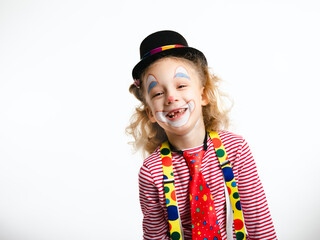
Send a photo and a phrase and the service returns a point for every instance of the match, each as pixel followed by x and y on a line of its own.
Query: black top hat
pixel 160 44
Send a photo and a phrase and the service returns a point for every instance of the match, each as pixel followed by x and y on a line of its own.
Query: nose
pixel 170 99
pixel 172 96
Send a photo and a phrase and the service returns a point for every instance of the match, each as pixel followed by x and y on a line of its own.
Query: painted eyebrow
pixel 151 82
pixel 181 72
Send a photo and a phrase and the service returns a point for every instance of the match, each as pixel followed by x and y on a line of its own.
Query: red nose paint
pixel 170 99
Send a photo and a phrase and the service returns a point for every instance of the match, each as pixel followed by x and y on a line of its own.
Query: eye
pixel 182 86
pixel 157 94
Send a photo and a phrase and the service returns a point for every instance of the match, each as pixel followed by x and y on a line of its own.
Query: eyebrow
pixel 151 86
pixel 151 82
pixel 181 75
pixel 181 72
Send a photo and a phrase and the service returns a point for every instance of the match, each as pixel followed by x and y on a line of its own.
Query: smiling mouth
pixel 177 117
pixel 177 113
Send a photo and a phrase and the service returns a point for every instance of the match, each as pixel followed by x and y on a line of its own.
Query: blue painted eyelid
pixel 182 75
pixel 151 86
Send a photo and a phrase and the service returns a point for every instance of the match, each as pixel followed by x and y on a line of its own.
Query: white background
pixel 66 171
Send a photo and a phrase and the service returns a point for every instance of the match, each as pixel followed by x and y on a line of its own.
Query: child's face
pixel 174 95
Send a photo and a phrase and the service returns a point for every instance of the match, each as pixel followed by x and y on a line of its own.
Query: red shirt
pixel 253 200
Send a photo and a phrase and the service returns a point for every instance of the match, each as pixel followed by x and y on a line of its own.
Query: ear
pixel 204 97
pixel 150 115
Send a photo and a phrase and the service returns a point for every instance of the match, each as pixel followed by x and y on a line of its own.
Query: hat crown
pixel 161 39
pixel 164 43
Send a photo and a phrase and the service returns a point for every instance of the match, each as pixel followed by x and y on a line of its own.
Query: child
pixel 192 182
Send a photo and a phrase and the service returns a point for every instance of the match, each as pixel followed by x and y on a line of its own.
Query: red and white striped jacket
pixel 253 201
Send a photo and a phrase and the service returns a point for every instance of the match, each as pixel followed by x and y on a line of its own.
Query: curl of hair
pixel 149 136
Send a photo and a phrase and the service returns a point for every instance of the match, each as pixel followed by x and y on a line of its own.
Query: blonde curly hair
pixel 149 136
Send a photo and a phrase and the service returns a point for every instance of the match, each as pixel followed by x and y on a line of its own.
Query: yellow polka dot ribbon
pixel 231 185
pixel 170 193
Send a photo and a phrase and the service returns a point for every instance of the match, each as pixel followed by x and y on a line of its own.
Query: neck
pixel 190 139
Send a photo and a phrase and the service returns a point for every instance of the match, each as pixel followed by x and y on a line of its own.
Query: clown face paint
pixel 181 72
pixel 185 111
pixel 175 97
pixel 151 82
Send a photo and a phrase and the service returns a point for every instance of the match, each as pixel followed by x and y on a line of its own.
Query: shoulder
pixel 234 144
pixel 151 169
pixel 153 158
pixel 229 138
pixel 152 163
pixel 237 149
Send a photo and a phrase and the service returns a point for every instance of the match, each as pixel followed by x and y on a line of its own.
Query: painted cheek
pixel 161 117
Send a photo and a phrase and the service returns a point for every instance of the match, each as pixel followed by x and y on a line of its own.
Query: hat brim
pixel 176 52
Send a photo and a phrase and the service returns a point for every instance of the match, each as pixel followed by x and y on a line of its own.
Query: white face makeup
pixel 151 82
pixel 181 72
pixel 185 110
pixel 174 95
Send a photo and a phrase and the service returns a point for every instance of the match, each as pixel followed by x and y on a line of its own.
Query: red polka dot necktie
pixel 204 221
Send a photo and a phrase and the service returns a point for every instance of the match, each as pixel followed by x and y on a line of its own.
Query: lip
pixel 180 119
pixel 182 110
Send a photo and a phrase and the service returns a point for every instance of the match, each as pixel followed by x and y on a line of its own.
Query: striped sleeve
pixel 254 204
pixel 154 223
